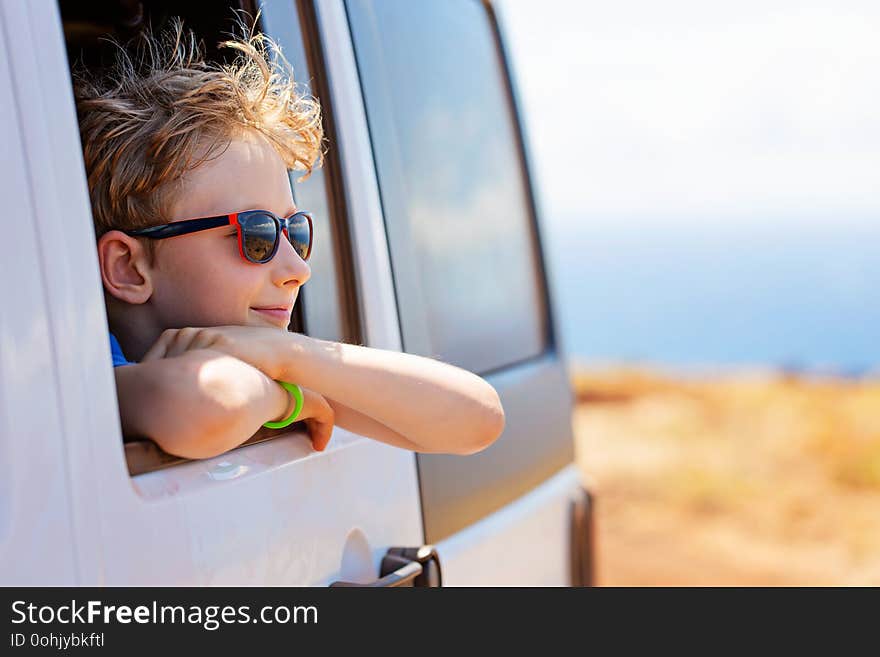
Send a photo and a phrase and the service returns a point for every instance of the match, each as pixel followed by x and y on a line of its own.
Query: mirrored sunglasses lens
pixel 299 232
pixel 259 232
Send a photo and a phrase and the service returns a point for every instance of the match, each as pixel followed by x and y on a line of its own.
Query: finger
pixel 160 346
pixel 182 341
pixel 320 433
pixel 323 439
pixel 205 339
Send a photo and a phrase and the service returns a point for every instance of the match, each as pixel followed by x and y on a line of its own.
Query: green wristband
pixel 297 394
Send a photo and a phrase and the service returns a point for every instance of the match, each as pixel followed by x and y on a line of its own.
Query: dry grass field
pixel 747 479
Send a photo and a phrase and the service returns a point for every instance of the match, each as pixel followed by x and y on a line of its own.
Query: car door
pixel 269 513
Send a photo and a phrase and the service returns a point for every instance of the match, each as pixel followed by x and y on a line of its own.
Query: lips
pixel 275 313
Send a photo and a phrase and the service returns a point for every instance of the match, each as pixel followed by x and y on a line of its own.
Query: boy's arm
pixel 426 405
pixel 357 422
pixel 434 406
pixel 196 405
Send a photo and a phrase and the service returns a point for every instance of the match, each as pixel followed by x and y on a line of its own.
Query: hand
pixel 263 348
pixel 259 347
pixel 319 418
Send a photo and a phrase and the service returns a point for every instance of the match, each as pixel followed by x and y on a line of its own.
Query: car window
pixel 328 303
pixel 326 307
pixel 456 205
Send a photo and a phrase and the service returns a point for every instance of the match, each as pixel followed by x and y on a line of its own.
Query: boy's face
pixel 201 279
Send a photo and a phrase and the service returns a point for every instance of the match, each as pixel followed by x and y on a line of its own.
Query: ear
pixel 125 267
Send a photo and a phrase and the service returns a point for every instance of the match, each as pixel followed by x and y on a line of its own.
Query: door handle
pixel 406 567
pixel 583 538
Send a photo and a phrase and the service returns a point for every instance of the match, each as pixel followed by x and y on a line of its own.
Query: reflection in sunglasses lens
pixel 299 232
pixel 258 237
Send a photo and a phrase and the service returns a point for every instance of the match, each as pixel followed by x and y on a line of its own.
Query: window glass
pixel 456 207
pixel 324 307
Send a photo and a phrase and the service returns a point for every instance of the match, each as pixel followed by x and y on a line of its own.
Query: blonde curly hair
pixel 161 110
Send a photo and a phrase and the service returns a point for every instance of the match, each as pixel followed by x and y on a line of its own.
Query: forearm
pixel 357 422
pixel 196 405
pixel 433 405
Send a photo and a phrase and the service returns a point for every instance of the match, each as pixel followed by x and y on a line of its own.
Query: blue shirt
pixel 116 351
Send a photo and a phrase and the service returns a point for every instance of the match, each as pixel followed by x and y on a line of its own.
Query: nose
pixel 288 269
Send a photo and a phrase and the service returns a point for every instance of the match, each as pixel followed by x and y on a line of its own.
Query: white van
pixel 427 241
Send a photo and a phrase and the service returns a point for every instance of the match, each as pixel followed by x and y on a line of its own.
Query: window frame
pixel 350 305
pixel 143 455
pixel 305 54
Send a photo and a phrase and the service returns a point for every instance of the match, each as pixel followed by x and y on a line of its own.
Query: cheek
pixel 209 287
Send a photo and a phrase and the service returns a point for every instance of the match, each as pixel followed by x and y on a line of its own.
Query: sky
pixel 708 175
pixel 693 111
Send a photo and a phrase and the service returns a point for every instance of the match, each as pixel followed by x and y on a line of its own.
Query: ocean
pixel 783 293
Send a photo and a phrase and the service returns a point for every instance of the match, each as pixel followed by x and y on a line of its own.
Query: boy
pixel 202 307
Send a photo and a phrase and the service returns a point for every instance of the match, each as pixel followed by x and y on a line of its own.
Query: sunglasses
pixel 259 232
